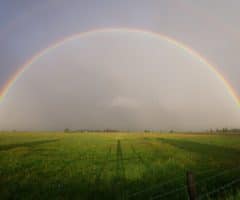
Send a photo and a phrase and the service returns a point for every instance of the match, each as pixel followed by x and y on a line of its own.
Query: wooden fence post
pixel 192 192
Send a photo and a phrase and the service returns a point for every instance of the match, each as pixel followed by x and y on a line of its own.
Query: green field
pixel 118 165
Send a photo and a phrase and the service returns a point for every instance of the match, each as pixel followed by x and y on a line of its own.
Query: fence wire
pixel 157 186
pixel 184 186
pixel 223 187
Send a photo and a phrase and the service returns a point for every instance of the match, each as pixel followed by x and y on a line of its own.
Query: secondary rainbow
pixel 13 79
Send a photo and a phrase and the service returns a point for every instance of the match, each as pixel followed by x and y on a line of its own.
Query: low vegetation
pixel 118 165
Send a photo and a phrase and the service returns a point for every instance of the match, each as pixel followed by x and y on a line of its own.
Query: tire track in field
pixel 120 174
pixel 102 167
pixel 95 192
pixel 120 171
pixel 142 161
pixel 148 168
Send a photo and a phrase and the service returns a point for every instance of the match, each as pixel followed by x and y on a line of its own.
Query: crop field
pixel 118 165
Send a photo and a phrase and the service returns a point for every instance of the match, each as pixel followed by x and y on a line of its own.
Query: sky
pixel 111 96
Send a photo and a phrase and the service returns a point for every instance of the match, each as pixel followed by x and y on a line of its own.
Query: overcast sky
pixel 102 81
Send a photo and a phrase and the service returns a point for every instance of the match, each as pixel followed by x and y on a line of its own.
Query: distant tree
pixel 66 130
pixel 225 130
pixel 235 130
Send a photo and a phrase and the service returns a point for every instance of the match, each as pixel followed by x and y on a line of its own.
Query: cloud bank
pixel 119 81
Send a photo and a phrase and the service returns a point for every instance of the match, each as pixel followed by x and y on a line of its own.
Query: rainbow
pixel 13 79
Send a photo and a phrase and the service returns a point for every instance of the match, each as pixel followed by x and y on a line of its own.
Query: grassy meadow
pixel 118 165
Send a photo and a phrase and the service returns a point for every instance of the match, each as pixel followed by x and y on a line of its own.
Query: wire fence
pixel 160 196
pixel 218 174
pixel 223 187
pixel 160 190
pixel 184 186
pixel 158 186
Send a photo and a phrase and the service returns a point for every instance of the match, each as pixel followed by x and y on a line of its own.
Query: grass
pixel 116 165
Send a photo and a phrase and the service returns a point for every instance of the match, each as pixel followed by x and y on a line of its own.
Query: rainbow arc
pixel 13 79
